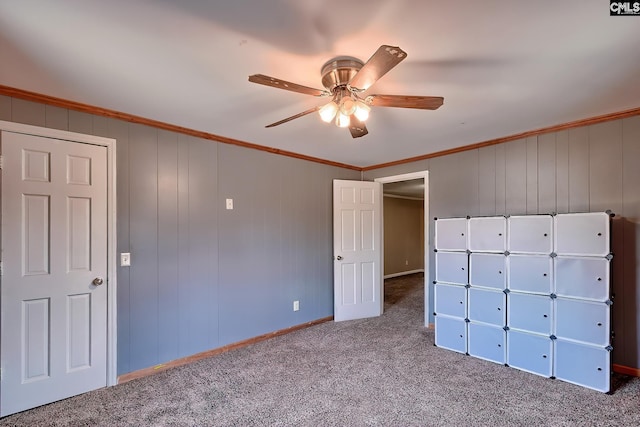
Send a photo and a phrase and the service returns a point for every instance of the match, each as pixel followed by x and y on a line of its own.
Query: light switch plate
pixel 229 204
pixel 125 259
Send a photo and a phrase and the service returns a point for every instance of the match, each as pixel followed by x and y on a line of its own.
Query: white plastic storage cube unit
pixel 487 342
pixel 488 234
pixel 530 273
pixel 488 270
pixel 582 364
pixel 583 234
pixel 583 277
pixel 451 333
pixel 585 321
pixel 451 234
pixel 452 267
pixel 487 306
pixel 530 313
pixel 528 352
pixel 531 234
pixel 450 300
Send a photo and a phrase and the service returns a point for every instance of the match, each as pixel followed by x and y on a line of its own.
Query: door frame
pixel 110 144
pixel 407 177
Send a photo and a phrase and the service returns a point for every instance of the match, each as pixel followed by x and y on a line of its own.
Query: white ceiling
pixel 503 66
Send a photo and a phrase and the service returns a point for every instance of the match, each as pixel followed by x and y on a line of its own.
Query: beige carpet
pixel 375 372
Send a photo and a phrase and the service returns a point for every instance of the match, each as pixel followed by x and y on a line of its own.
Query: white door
pixel 53 335
pixel 357 229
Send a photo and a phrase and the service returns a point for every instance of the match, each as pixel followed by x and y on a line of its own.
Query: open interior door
pixel 357 249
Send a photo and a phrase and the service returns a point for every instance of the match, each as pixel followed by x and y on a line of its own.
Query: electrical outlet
pixel 229 204
pixel 406 262
pixel 296 305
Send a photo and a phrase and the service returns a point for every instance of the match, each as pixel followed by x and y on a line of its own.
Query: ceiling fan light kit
pixel 345 78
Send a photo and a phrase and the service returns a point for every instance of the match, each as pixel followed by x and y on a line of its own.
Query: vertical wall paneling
pixel 605 192
pixel 5 108
pixel 281 238
pixel 627 325
pixel 562 171
pixel 454 186
pixel 202 220
pixel 532 175
pixel 27 112
pixel 184 292
pixel 547 173
pixel 80 122
pixel 168 281
pixel 501 180
pixel 487 180
pixel 605 173
pixel 579 169
pixel 143 234
pixel 56 117
pixel 516 177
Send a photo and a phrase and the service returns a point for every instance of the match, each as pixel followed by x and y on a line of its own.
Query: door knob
pixel 339 258
pixel 98 281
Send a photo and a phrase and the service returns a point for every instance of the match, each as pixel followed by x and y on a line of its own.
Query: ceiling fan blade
pixel 406 101
pixel 357 127
pixel 282 84
pixel 383 60
pixel 288 119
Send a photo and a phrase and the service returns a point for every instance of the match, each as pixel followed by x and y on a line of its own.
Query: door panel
pixel 452 267
pixel 487 342
pixel 530 273
pixel 487 306
pixel 451 333
pixel 451 234
pixel 54 243
pixel 488 270
pixel 357 250
pixel 530 234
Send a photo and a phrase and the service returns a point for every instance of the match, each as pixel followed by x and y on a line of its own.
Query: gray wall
pixel 591 168
pixel 203 276
pixel 403 235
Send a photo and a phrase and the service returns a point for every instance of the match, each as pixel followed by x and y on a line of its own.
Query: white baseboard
pixel 403 273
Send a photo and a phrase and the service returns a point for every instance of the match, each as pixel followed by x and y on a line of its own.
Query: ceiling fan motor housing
pixel 339 71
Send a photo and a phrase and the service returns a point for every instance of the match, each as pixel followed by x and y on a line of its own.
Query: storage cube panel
pixel 452 267
pixel 450 300
pixel 451 333
pixel 488 270
pixel 487 342
pixel 585 234
pixel 451 234
pixel 582 364
pixel 487 306
pixel 530 234
pixel 585 321
pixel 530 352
pixel 581 277
pixel 530 273
pixel 532 313
pixel 488 234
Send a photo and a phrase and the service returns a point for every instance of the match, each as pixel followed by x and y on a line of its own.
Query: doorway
pixel 409 185
pixel 58 281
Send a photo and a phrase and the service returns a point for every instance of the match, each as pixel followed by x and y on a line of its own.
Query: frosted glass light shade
pixel 347 106
pixel 328 111
pixel 342 120
pixel 362 111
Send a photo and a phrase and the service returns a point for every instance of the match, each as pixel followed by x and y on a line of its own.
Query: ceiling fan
pixel 345 78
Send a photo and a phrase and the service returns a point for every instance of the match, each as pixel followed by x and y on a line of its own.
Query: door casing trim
pixel 110 144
